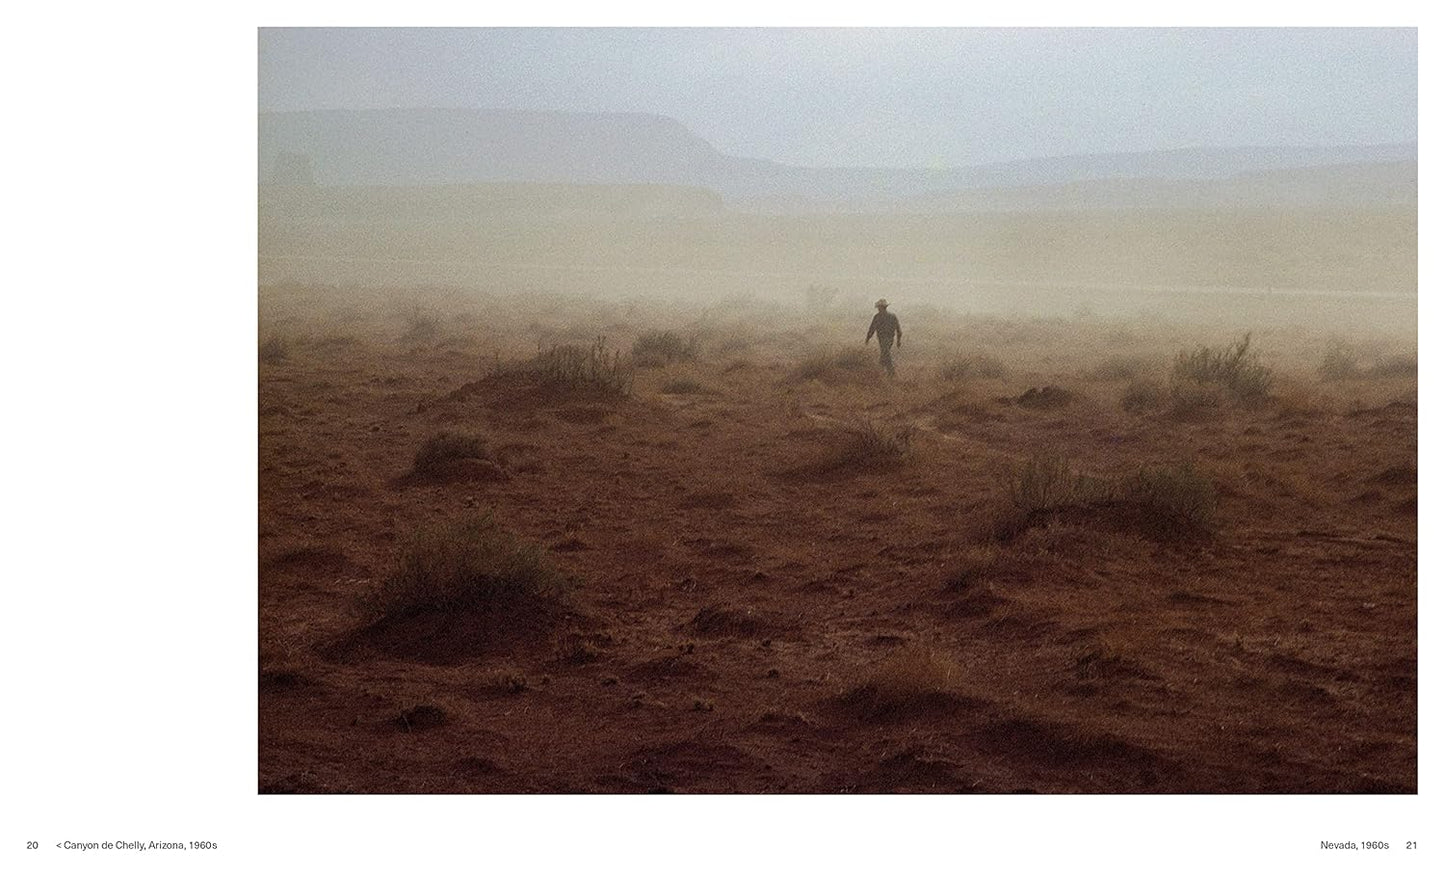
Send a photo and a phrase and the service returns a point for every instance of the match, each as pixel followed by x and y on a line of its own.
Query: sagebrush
pixel 1235 367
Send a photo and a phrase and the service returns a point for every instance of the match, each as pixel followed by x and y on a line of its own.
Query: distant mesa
pixel 467 147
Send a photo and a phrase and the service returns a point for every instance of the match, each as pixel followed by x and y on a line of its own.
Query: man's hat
pixel 881 302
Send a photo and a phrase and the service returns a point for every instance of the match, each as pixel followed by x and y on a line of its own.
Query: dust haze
pixel 577 473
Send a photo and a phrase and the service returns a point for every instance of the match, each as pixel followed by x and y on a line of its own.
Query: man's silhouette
pixel 886 326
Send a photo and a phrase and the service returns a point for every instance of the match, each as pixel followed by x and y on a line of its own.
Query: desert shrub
pixel 1143 395
pixel 873 445
pixel 1042 481
pixel 1047 481
pixel 1169 500
pixel 1395 366
pixel 446 447
pixel 1235 368
pixel 1161 502
pixel 969 367
pixel 833 366
pixel 859 448
pixel 1117 368
pixel 274 349
pixel 1341 362
pixel 470 563
pixel 420 326
pixel 683 386
pixel 657 348
pixel 573 367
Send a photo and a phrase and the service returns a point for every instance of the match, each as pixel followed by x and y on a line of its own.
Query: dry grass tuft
pixel 574 368
pixel 452 457
pixel 469 564
pixel 1047 481
pixel 871 445
pixel 1163 503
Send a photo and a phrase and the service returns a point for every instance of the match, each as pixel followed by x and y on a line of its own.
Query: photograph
pixel 592 458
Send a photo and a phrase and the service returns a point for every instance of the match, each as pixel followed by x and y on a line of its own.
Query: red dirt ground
pixel 746 618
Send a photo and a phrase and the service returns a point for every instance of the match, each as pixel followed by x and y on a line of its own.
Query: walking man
pixel 886 326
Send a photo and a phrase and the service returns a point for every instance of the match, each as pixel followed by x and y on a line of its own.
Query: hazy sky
pixel 883 97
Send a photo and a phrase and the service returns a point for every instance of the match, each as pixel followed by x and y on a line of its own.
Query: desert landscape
pixel 577 473
pixel 548 543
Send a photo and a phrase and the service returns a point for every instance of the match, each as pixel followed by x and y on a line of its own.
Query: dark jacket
pixel 885 325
